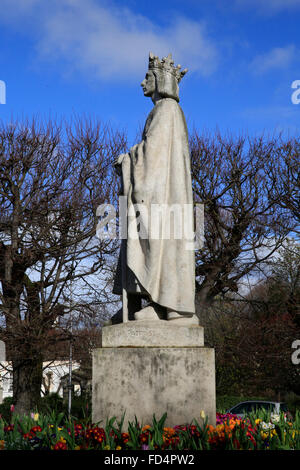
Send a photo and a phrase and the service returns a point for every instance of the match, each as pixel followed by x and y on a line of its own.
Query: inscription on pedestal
pixel 151 334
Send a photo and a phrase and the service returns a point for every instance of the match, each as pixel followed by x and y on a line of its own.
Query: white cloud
pixel 276 119
pixel 269 6
pixel 273 113
pixel 277 58
pixel 109 42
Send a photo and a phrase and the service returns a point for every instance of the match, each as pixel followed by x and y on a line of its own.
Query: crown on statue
pixel 166 64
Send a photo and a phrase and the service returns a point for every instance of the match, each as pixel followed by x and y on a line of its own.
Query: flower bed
pixel 256 432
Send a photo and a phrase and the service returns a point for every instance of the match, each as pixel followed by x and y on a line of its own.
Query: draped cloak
pixel 157 171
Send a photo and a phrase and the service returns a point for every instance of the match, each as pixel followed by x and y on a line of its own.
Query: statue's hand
pixel 134 148
pixel 119 159
pixel 118 162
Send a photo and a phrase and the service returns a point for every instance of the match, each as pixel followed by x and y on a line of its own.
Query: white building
pixel 52 374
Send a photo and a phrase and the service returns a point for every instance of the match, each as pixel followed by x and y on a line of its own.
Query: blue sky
pixel 60 57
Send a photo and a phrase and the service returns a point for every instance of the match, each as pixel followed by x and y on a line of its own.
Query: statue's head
pixel 162 77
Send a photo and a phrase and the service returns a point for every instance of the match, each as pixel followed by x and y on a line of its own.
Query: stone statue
pixel 156 173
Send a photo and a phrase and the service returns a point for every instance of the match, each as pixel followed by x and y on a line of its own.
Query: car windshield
pixel 244 408
pixel 264 406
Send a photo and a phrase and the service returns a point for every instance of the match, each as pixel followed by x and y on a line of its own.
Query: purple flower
pixel 145 447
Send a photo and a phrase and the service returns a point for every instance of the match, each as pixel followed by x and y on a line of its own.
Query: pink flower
pixel 12 408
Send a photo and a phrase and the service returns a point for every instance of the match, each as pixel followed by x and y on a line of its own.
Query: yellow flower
pixel 202 414
pixel 77 448
pixel 257 421
pixel 35 416
pixel 62 439
pixel 118 448
pixel 59 429
pixel 107 448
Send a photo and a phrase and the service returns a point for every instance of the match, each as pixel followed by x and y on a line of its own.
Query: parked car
pixel 246 407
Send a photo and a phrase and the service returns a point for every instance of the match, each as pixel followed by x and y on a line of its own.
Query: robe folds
pixel 156 174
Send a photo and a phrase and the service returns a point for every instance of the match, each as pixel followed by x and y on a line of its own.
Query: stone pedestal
pixel 145 369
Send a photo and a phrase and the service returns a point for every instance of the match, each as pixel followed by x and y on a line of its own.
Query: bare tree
pixel 244 226
pixel 53 177
pixel 253 335
pixel 284 174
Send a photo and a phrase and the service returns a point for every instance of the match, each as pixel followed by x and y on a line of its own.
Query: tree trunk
pixel 27 382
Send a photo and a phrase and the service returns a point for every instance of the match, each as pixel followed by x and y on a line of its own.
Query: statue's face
pixel 148 84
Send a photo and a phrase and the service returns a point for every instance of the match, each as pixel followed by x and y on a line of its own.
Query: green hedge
pixel 81 406
pixel 5 408
pixel 293 402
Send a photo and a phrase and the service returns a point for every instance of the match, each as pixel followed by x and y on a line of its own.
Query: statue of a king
pixel 158 266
